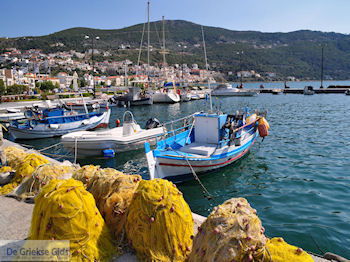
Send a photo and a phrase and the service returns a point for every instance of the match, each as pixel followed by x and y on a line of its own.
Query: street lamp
pixel 92 60
pixel 322 56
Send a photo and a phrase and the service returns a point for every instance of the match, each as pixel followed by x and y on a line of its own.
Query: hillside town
pixel 70 71
pixel 75 71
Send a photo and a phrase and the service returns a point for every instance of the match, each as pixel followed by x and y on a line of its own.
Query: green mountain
pixel 288 54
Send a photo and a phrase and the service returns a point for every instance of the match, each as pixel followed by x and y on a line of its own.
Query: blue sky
pixel 40 17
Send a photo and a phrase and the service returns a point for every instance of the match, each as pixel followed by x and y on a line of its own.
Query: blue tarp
pixel 170 84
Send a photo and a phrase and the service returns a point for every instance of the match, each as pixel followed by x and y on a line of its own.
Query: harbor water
pixel 298 178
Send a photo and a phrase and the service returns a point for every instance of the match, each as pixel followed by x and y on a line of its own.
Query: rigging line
pixel 140 50
pixel 160 42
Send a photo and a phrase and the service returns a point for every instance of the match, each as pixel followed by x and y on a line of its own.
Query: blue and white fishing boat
pixel 56 122
pixel 214 140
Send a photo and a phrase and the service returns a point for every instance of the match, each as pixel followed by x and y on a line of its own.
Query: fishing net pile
pixel 42 176
pixel 280 251
pixel 14 156
pixel 159 224
pixel 113 192
pixel 24 168
pixel 65 210
pixel 233 232
pixel 86 173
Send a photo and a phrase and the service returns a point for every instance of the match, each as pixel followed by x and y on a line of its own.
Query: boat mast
pixel 125 74
pixel 148 42
pixel 207 68
pixel 164 61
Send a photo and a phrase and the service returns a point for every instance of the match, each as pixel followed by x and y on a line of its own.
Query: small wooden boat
pixel 56 122
pixel 128 137
pixel 213 141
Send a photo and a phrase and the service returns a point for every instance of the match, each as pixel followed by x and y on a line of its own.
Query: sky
pixel 41 17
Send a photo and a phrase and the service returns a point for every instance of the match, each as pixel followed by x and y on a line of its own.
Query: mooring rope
pixel 46 148
pixel 209 196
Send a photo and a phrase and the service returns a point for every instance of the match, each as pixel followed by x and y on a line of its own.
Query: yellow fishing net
pixel 64 210
pixel 5 169
pixel 43 175
pixel 280 251
pixel 24 169
pixel 86 173
pixel 14 156
pixel 159 223
pixel 232 232
pixel 113 192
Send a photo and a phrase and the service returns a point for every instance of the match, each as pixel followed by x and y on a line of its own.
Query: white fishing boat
pixel 309 90
pixel 166 96
pixel 227 90
pixel 185 97
pixel 56 123
pixel 128 137
pixel 134 97
pixel 8 115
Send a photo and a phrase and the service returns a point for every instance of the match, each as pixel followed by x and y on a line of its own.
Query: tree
pixel 82 82
pixel 2 87
pixel 47 86
pixel 16 89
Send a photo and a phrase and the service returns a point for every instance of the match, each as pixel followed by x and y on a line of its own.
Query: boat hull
pixel 93 143
pixel 178 170
pixel 168 98
pixel 45 131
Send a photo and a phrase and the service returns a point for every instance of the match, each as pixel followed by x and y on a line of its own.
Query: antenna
pixel 207 68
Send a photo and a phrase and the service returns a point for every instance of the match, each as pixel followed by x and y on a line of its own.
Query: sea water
pixel 298 178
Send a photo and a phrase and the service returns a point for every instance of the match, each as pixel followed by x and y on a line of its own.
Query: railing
pixel 174 128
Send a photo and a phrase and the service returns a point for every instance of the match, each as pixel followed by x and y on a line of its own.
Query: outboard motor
pixel 152 123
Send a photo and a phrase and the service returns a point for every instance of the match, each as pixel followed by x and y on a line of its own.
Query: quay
pixel 300 90
pixel 15 220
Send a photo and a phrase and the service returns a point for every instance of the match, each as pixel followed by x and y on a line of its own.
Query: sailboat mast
pixel 207 68
pixel 164 62
pixel 148 43
pixel 148 34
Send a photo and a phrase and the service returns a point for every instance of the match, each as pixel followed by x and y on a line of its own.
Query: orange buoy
pixel 117 123
pixel 263 127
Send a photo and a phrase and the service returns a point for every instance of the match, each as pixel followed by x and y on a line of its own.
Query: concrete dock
pixel 15 220
pixel 300 90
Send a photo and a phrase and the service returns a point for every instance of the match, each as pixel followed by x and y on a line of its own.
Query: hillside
pixel 296 53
